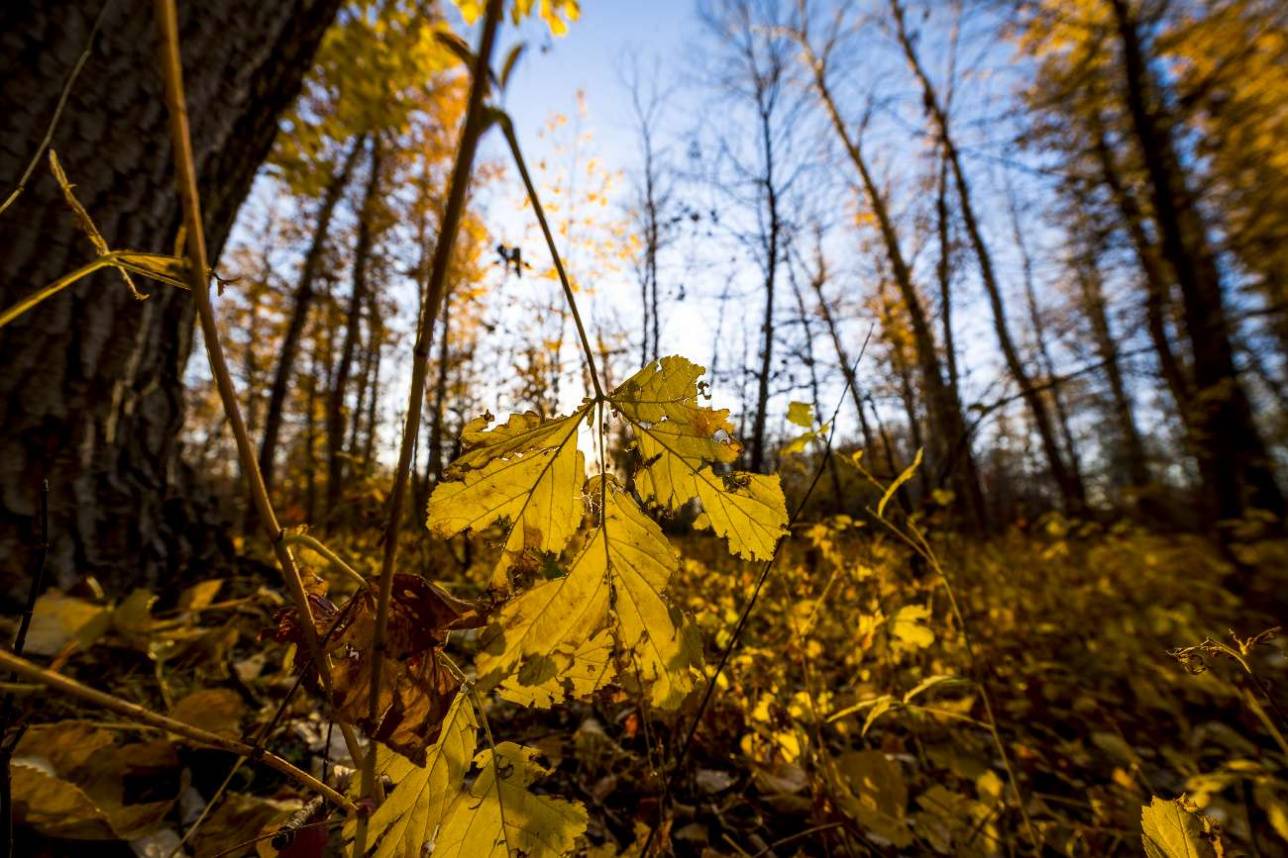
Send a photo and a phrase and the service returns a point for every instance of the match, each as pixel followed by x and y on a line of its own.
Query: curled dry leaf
pixel 416 689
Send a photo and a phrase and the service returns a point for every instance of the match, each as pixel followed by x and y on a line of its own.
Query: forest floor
pixel 862 713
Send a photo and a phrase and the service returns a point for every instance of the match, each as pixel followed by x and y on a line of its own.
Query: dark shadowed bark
pixel 91 395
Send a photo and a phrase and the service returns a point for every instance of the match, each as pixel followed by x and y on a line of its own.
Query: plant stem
pixel 471 130
pixel 195 242
pixel 334 559
pixel 507 128
pixel 135 712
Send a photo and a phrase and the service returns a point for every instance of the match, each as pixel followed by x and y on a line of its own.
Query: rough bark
pixel 91 396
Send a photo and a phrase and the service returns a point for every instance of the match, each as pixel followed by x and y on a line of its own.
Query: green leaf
pixel 1168 830
pixel 499 816
pixel 898 483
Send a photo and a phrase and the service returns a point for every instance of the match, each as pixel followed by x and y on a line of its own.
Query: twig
pixel 58 109
pixel 186 177
pixel 134 712
pixel 471 130
pixel 333 558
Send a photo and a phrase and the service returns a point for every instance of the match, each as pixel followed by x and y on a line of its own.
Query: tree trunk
pixel 357 298
pixel 92 388
pixel 1236 469
pixel 945 414
pixel 434 469
pixel 1093 306
pixel 1070 491
pixel 772 239
pixel 304 295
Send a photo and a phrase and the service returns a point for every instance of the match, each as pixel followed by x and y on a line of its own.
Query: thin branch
pixel 471 130
pixel 507 128
pixel 195 241
pixel 142 714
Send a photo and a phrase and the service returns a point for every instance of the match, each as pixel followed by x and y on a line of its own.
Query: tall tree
pixel 1070 488
pixel 752 71
pixel 93 381
pixel 1233 458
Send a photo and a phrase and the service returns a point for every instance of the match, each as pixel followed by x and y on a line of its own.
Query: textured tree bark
pixel 91 391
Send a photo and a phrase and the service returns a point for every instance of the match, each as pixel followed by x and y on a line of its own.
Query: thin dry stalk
pixel 471 130
pixel 186 177
pixel 143 715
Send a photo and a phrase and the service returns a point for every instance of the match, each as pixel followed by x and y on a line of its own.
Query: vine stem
pixel 507 128
pixel 471 130
pixel 198 268
pixel 143 715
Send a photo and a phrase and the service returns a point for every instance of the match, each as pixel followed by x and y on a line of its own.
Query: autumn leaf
pixel 1169 830
pixel 498 815
pixel 527 472
pixel 406 822
pixel 681 443
pixel 618 579
pixel 872 792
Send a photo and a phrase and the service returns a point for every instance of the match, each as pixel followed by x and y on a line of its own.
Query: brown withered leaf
pixel 416 689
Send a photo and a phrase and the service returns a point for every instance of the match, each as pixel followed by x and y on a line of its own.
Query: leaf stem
pixel 507 128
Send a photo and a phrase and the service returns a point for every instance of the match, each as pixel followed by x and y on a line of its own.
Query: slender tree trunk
pixel 373 397
pixel 92 392
pixel 304 295
pixel 357 298
pixel 947 423
pixel 434 468
pixel 1070 491
pixel 1236 468
pixel 838 504
pixel 772 246
pixel 1158 286
pixel 959 449
pixel 1094 307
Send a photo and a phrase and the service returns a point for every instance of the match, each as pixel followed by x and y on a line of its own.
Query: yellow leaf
pixel 60 619
pixel 405 824
pixel 899 481
pixel 526 472
pixel 680 442
pixel 871 790
pixel 801 414
pixel 1168 830
pixel 908 627
pixel 499 816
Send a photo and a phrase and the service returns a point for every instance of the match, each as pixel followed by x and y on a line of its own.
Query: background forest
pixel 735 427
